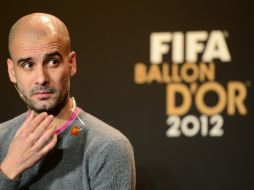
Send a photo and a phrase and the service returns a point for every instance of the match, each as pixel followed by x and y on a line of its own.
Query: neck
pixel 64 114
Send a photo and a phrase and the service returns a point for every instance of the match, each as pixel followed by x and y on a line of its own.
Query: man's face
pixel 41 69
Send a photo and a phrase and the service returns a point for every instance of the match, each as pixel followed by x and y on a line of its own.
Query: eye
pixel 53 63
pixel 27 65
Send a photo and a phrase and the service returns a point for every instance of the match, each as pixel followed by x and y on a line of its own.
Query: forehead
pixel 36 47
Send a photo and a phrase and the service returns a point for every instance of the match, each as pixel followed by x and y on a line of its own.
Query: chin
pixel 52 109
pixel 42 107
pixel 51 106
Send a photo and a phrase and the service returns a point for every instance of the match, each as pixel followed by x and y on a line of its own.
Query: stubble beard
pixel 52 106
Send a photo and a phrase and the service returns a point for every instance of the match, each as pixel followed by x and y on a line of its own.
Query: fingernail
pixel 31 114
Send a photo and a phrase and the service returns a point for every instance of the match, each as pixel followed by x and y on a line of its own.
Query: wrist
pixel 9 173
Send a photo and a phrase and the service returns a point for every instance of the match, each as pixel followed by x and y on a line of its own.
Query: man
pixel 55 145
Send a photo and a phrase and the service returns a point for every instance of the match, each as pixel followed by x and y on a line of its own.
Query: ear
pixel 72 63
pixel 11 72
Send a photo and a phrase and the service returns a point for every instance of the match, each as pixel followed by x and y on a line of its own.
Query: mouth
pixel 43 95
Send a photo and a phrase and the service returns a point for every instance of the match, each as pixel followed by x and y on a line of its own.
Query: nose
pixel 41 76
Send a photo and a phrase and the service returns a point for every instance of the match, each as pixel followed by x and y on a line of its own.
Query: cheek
pixel 61 79
pixel 24 82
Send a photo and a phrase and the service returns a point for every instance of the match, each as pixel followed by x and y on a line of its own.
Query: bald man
pixel 55 144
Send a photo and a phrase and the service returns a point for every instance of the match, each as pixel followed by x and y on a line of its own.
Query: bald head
pixel 34 27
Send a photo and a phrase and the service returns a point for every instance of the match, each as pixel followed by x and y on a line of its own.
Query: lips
pixel 43 94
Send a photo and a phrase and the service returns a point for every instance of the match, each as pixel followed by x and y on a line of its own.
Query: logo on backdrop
pixel 186 63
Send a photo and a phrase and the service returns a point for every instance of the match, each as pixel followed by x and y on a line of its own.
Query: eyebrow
pixel 26 59
pixel 56 53
pixel 48 55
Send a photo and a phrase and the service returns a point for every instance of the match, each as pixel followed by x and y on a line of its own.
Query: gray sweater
pixel 99 158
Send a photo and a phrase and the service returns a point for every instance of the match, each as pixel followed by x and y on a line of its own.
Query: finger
pixel 25 124
pixel 49 146
pixel 34 123
pixel 40 130
pixel 29 118
pixel 44 139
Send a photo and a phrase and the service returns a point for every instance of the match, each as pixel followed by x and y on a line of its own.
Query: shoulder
pixel 102 136
pixel 106 147
pixel 12 124
pixel 100 129
pixel 8 130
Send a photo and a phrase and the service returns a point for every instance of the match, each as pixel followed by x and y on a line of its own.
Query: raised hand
pixel 32 141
